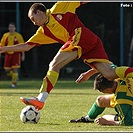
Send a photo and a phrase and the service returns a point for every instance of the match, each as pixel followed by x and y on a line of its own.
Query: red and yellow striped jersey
pixel 62 22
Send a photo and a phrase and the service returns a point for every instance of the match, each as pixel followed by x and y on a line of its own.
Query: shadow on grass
pixel 19 87
pixel 34 84
pixel 33 93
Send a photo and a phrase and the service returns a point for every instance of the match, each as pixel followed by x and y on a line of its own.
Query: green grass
pixel 67 100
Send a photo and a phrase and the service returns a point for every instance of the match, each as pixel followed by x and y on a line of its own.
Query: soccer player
pixel 61 24
pixel 120 97
pixel 12 59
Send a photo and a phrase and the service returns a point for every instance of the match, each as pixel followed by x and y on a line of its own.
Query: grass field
pixel 67 100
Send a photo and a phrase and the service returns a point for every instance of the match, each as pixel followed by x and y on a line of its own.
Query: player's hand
pixel 86 75
pixel 83 77
pixel 101 121
pixel 107 120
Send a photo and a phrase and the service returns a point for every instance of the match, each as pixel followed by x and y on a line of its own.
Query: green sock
pixel 94 111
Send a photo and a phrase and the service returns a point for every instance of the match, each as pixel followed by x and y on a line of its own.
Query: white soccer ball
pixel 29 115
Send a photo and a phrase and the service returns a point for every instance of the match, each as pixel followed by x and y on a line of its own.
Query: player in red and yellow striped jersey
pixel 61 24
pixel 12 59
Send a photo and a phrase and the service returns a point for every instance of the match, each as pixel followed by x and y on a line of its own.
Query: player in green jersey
pixel 119 97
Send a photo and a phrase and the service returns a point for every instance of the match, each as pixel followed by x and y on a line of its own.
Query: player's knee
pixel 100 101
pixel 54 66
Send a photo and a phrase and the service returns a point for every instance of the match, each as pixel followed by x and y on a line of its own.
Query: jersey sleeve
pixel 20 38
pixel 3 39
pixel 124 114
pixel 40 38
pixel 63 7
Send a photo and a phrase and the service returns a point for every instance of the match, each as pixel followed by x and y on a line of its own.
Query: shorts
pixel 12 61
pixel 88 45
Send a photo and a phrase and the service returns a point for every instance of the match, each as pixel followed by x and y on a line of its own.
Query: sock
pixel 42 96
pixel 14 78
pixel 89 119
pixel 94 112
pixel 124 72
pixel 48 83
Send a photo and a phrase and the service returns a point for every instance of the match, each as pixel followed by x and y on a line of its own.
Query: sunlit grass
pixel 67 100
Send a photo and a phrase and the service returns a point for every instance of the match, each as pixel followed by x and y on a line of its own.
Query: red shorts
pixel 12 61
pixel 89 46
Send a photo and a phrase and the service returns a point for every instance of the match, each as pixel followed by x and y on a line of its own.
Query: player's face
pixel 39 18
pixel 11 28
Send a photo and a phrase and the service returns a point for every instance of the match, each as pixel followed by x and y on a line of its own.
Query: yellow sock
pixel 124 72
pixel 14 77
pixel 49 81
pixel 9 73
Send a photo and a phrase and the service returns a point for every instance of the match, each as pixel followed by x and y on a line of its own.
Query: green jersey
pixel 124 101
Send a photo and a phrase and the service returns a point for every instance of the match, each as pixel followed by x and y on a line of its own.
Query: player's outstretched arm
pixel 16 48
pixel 86 75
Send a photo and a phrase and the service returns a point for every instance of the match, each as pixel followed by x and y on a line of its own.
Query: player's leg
pixel 96 109
pixel 98 58
pixel 15 64
pixel 99 106
pixel 7 66
pixel 107 119
pixel 14 77
pixel 49 81
pixel 106 70
pixel 111 73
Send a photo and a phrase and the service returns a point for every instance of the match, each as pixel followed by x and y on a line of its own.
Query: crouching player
pixel 120 97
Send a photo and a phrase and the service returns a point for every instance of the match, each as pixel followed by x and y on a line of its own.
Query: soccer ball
pixel 29 115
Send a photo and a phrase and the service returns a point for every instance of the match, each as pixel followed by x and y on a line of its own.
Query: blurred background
pixel 112 22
